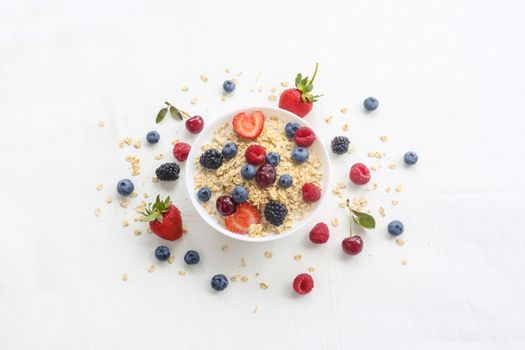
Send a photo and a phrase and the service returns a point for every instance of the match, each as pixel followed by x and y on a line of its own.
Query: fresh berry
pixel 273 158
pixel 410 158
pixel 395 228
pixel 204 194
pixel 255 154
pixel 152 137
pixel 290 129
pixel 191 257
pixel 195 124
pixel 265 175
pixel 311 193
pixel 219 282
pixel 181 151
pixel 240 221
pixel 275 213
pixel 285 181
pixel 371 104
pixel 303 284
pixel 352 245
pixel 229 150
pixel 249 126
pixel 299 100
pixel 228 86
pixel 359 174
pixel 304 137
pixel 164 219
pixel 225 205
pixel 211 159
pixel 340 144
pixel 239 194
pixel 125 187
pixel 319 234
pixel 162 253
pixel 300 154
pixel 248 171
pixel 168 172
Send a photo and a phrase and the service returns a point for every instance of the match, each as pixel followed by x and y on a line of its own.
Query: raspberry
pixel 359 174
pixel 255 154
pixel 319 233
pixel 211 159
pixel 168 172
pixel 311 193
pixel 304 137
pixel 181 150
pixel 340 144
pixel 303 284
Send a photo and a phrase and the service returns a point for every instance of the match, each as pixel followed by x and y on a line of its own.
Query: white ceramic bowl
pixel 206 135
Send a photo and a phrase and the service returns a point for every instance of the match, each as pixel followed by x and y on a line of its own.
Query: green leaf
pixel 364 220
pixel 298 79
pixel 161 115
pixel 175 113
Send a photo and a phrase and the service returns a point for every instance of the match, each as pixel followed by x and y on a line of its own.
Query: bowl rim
pixel 190 166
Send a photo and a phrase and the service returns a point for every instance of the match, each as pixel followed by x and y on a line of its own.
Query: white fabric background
pixel 450 79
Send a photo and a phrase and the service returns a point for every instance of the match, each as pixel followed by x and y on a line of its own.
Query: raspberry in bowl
pixel 264 151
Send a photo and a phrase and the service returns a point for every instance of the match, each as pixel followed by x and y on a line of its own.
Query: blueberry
pixel 219 282
pixel 162 253
pixel 204 194
pixel 191 257
pixel 290 129
pixel 371 104
pixel 273 158
pixel 229 150
pixel 395 228
pixel 410 158
pixel 228 86
pixel 300 154
pixel 152 136
pixel 285 181
pixel 125 187
pixel 239 194
pixel 248 171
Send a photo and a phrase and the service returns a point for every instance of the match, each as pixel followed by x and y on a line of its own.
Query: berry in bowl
pixel 257 174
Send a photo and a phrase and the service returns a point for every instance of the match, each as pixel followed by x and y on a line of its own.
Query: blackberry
pixel 275 213
pixel 211 159
pixel 340 144
pixel 168 172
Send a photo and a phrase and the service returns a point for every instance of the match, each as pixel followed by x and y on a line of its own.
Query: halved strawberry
pixel 250 125
pixel 240 221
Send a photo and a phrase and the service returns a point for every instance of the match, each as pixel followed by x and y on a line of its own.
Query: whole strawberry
pixel 299 100
pixel 164 219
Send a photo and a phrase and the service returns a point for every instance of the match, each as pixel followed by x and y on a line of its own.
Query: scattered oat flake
pixel 226 70
pixel 121 144
pixel 171 259
pixel 284 83
pixel 342 204
pixel 335 222
pixel 125 223
pixel 255 310
pixel 184 88
pixel 244 279
pixel 399 188
pixel 400 242
pixel 175 141
pixel 154 179
pixel 378 155
pixel 234 278
pixel 351 150
pixel 259 88
pixel 100 187
pixel 137 232
pixel 109 199
pixel 311 269
pixel 388 189
pixel 344 110
pixel 128 141
pixel 329 119
pixel 204 78
pixel 137 144
pixel 391 166
pixel 151 269
pixel 371 154
pixel 158 156
pixel 382 211
pixel 194 101
pixel 124 203
pixel 272 97
pixel 383 138
pixel 345 127
pixel 394 202
pixel 97 212
pixel 263 285
pixel 243 262
pixel 298 257
pixel 134 194
pixel 182 272
pixel 268 254
pixel 125 277
pixel 404 262
pixel 273 90
pixel 101 123
pixel 224 248
pixel 239 74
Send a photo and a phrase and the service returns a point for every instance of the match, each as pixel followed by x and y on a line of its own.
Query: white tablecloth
pixel 449 76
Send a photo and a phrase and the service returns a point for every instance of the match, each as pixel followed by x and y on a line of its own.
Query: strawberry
pixel 299 100
pixel 164 219
pixel 250 125
pixel 240 221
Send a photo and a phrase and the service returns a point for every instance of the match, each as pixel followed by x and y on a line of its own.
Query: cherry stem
pixel 180 110
pixel 351 219
pixel 315 72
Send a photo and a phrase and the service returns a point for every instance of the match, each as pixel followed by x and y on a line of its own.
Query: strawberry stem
pixel 315 72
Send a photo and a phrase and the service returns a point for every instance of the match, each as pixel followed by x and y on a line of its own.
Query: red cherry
pixel 225 205
pixel 265 175
pixel 352 245
pixel 195 124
